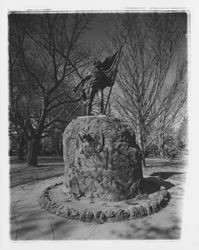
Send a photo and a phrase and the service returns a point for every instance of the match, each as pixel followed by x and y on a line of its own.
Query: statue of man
pixel 98 81
pixel 101 76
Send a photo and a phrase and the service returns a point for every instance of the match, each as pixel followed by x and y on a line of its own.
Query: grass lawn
pixel 48 167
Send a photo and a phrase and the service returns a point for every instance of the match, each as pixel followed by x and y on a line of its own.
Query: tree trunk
pixel 161 147
pixel 20 152
pixel 33 150
pixel 59 149
pixel 140 141
pixel 143 160
pixel 162 152
pixel 142 149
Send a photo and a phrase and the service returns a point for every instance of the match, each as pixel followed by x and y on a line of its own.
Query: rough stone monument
pixel 102 159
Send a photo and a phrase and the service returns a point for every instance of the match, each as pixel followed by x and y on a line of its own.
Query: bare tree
pixel 182 135
pixel 171 115
pixel 144 91
pixel 49 51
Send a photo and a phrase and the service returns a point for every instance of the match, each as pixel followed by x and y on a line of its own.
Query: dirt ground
pixel 29 222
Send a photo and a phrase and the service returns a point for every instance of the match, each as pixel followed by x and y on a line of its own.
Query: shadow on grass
pixel 30 180
pixel 35 223
pixel 166 164
pixel 165 175
pixel 41 160
pixel 144 230
pixel 50 165
pixel 152 184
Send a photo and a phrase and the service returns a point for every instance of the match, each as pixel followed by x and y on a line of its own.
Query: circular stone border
pixel 157 201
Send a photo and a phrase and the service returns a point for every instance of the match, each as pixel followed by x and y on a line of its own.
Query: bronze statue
pixel 101 76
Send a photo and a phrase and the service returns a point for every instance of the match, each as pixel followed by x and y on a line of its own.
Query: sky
pixel 102 24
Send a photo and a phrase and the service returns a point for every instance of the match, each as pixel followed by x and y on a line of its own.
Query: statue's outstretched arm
pixel 82 82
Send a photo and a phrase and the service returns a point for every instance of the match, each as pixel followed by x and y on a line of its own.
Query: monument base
pixel 102 159
pixel 55 200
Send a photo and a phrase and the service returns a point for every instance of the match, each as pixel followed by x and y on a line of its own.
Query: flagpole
pixel 116 73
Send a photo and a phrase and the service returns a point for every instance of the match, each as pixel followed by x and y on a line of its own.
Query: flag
pixel 109 66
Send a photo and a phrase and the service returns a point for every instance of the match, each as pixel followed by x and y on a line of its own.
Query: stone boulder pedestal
pixel 102 160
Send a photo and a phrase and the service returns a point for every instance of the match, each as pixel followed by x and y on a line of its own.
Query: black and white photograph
pixel 98 124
